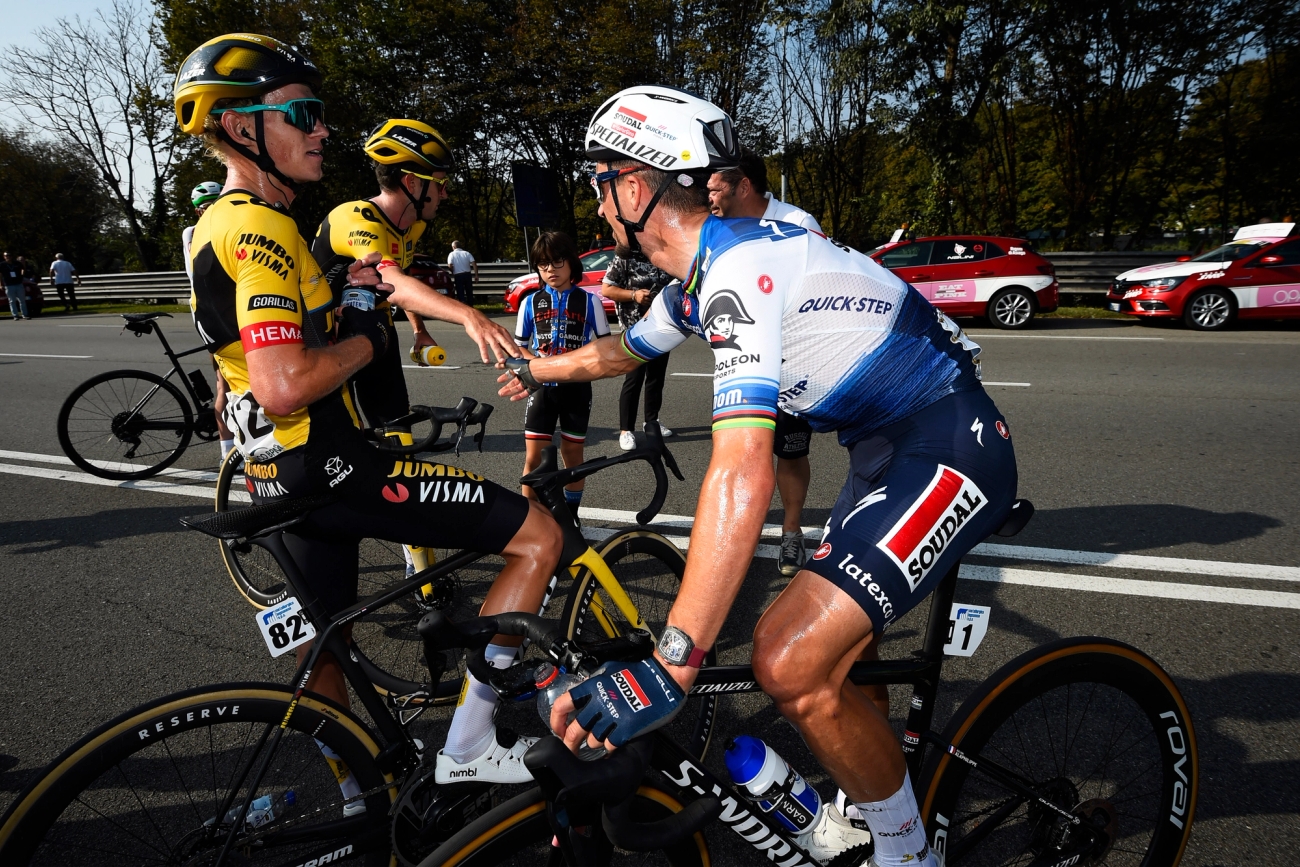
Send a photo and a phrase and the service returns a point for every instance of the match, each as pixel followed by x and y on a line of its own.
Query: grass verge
pixel 1083 313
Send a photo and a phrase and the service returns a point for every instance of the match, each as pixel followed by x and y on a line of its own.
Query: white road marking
pixel 432 367
pixel 1140 561
pixel 1009 384
pixel 993 574
pixel 692 374
pixel 1063 337
pixel 1129 587
pixel 155 485
pixel 196 475
pixel 30 355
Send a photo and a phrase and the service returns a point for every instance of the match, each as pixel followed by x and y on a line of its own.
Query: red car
pixel 976 275
pixel 429 270
pixel 1256 275
pixel 594 264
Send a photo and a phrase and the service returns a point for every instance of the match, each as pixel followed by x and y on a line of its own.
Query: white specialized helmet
pixel 663 127
pixel 205 193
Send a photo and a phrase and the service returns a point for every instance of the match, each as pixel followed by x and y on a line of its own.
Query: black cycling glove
pixel 370 324
pixel 624 700
pixel 519 367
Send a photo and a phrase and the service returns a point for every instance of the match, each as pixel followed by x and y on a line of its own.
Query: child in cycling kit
pixel 559 317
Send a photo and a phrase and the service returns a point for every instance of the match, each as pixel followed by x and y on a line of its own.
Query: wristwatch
pixel 678 648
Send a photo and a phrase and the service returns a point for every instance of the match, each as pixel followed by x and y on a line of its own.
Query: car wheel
pixel 1011 308
pixel 1209 310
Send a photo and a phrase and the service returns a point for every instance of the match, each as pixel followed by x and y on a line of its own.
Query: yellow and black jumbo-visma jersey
pixel 356 229
pixel 257 285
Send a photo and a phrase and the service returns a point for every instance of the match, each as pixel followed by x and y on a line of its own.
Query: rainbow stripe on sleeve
pixel 748 402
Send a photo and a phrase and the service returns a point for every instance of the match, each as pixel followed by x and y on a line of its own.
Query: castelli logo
pixel 823 551
pixel 1002 429
pixel 686 306
pixel 765 285
pixel 398 496
pixel 241 253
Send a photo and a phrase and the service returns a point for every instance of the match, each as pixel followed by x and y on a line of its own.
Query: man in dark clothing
pixel 632 283
pixel 15 291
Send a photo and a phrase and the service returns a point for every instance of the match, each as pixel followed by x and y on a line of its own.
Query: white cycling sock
pixel 471 726
pixel 347 780
pixel 226 446
pixel 895 825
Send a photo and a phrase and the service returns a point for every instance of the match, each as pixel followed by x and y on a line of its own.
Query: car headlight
pixel 1163 284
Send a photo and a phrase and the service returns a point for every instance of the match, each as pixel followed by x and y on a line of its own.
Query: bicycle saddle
pixel 257 520
pixel 1021 512
pixel 143 317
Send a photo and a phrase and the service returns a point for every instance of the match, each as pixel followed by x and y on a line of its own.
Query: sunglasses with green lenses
pixel 302 114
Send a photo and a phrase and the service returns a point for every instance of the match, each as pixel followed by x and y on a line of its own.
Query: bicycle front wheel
pixel 146 788
pixel 1094 727
pixel 125 424
pixel 649 569
pixel 518 833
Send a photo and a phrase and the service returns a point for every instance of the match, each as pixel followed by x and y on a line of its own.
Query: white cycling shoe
pixel 499 763
pixel 833 835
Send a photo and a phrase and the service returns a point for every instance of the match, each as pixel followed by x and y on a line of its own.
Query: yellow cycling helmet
pixel 236 65
pixel 411 146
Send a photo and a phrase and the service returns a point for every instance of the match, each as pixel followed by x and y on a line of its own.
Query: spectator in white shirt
pixel 61 275
pixel 464 273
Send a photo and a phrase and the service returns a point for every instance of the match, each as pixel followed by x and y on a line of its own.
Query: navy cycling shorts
pixel 920 494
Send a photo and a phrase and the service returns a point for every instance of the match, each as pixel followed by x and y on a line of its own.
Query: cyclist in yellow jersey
pixel 266 312
pixel 411 163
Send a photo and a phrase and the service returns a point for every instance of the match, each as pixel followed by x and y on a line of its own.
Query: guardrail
pixel 1078 273
pixel 173 287
pixel 1091 273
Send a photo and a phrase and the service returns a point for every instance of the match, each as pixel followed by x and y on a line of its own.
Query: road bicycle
pixel 170 780
pixel 133 424
pixel 1080 751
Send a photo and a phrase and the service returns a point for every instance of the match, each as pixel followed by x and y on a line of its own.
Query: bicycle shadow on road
pixel 1139 527
pixel 42 535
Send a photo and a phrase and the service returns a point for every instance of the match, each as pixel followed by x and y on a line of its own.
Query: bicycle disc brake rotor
pixel 1055 839
pixel 426 814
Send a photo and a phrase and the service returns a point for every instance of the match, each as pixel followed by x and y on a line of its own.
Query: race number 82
pixel 285 626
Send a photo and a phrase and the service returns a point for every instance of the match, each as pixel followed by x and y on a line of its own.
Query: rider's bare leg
pixel 804 645
pixel 792 478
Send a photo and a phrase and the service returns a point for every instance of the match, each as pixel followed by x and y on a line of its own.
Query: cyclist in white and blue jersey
pixel 799 324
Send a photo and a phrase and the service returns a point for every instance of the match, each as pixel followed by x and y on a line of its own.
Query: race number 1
pixel 284 626
pixel 966 628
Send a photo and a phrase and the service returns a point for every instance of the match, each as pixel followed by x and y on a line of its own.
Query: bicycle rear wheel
pixel 125 424
pixel 518 833
pixel 649 569
pixel 146 787
pixel 1091 725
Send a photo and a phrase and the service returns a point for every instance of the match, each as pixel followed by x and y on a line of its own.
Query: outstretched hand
pixel 363 272
pixel 491 337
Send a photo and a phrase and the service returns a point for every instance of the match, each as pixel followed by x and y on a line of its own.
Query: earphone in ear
pixel 244 134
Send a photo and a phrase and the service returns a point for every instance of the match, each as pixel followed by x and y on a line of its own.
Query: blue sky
pixel 22 17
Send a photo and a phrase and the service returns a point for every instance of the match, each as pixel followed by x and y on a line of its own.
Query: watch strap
pixel 696 659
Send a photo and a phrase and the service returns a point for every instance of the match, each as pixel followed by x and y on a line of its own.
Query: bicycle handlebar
pixel 466 412
pixel 548 479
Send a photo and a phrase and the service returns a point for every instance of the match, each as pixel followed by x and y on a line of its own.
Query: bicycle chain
pixel 280 826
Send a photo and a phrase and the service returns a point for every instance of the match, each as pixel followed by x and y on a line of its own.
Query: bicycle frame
pixel 151 326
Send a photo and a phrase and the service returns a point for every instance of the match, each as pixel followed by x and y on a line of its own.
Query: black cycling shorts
pixel 568 403
pixel 380 387
pixel 920 494
pixel 381 496
pixel 793 437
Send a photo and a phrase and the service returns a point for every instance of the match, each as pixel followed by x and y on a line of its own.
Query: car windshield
pixel 597 261
pixel 1231 252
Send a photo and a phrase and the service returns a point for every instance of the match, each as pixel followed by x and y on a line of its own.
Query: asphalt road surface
pixel 1174 446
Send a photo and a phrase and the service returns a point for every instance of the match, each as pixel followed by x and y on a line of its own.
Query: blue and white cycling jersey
pixel 804 325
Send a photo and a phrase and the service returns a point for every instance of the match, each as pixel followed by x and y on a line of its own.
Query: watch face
pixel 674 646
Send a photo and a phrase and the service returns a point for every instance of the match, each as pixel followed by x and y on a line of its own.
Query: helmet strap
pixel 633 229
pixel 261 158
pixel 424 198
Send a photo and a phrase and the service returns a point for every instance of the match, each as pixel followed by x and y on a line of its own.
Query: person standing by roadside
pixel 632 283
pixel 62 274
pixel 464 273
pixel 558 318
pixel 742 192
pixel 201 197
pixel 12 273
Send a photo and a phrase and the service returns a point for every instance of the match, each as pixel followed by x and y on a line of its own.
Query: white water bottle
pixel 773 784
pixel 551 684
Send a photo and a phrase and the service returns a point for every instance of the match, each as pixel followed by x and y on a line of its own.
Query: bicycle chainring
pixel 427 814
